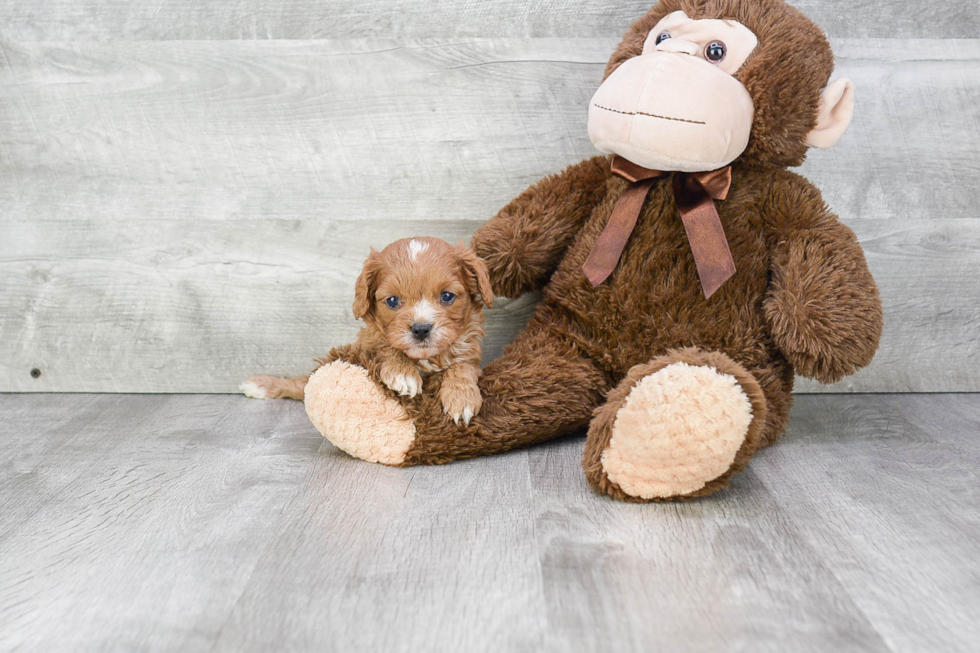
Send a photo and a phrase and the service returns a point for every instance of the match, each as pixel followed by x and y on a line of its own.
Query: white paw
pixel 464 415
pixel 462 404
pixel 407 385
pixel 460 394
pixel 252 389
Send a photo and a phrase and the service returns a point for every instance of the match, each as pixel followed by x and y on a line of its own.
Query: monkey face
pixel 678 106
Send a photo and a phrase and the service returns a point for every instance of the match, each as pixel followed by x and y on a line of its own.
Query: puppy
pixel 421 300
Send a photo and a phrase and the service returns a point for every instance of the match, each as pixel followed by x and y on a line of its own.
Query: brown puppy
pixel 422 303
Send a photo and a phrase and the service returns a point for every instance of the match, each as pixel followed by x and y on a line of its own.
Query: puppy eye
pixel 715 51
pixel 448 298
pixel 663 36
pixel 393 302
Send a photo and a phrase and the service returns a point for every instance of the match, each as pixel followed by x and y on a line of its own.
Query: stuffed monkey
pixel 686 274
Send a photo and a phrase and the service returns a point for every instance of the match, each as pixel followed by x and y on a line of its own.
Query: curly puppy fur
pixel 422 301
pixel 801 301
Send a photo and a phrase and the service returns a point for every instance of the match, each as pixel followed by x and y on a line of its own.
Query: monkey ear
pixel 834 114
pixel 364 286
pixel 477 274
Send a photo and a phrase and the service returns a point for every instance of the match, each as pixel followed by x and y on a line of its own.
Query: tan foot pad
pixel 679 428
pixel 356 416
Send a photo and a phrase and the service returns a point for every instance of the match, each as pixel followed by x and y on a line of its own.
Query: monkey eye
pixel 663 36
pixel 715 51
pixel 447 298
pixel 393 302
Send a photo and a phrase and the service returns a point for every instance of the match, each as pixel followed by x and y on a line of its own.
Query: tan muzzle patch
pixel 671 111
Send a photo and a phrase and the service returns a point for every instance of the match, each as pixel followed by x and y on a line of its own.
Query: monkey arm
pixel 523 244
pixel 823 307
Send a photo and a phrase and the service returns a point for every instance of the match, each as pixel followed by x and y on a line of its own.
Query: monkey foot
pixel 351 411
pixel 675 428
pixel 680 428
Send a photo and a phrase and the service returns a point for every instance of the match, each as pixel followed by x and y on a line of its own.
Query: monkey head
pixel 697 84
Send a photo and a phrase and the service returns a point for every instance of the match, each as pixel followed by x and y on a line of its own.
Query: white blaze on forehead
pixel 416 247
pixel 425 311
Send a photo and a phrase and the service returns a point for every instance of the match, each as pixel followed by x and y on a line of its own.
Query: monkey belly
pixel 653 301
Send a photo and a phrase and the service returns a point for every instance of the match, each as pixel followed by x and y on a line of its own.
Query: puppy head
pixel 422 294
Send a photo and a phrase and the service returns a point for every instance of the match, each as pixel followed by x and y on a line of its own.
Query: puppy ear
pixel 365 285
pixel 476 273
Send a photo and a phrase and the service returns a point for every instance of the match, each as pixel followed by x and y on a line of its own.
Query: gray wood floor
pixel 155 522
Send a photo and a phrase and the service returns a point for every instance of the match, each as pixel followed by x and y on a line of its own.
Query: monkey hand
pixel 823 306
pixel 524 243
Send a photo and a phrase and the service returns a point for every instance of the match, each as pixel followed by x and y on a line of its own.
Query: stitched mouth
pixel 649 115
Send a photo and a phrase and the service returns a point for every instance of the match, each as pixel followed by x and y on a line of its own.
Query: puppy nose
pixel 421 330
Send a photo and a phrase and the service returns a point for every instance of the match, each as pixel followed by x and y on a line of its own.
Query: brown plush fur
pixel 802 299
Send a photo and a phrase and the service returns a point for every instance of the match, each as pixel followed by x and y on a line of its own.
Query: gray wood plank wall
pixel 187 189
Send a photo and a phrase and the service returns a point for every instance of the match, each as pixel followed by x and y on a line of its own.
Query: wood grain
pixel 221 523
pixel 147 20
pixel 749 580
pixel 427 130
pixel 897 522
pixel 187 300
pixel 471 582
pixel 180 215
pixel 147 543
pixel 197 306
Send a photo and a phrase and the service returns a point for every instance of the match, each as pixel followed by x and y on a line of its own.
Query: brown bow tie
pixel 694 194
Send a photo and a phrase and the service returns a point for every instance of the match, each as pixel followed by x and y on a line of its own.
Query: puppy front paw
pixel 461 401
pixel 404 380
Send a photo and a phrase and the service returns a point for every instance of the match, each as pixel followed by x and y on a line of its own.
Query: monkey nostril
pixel 421 330
pixel 679 46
